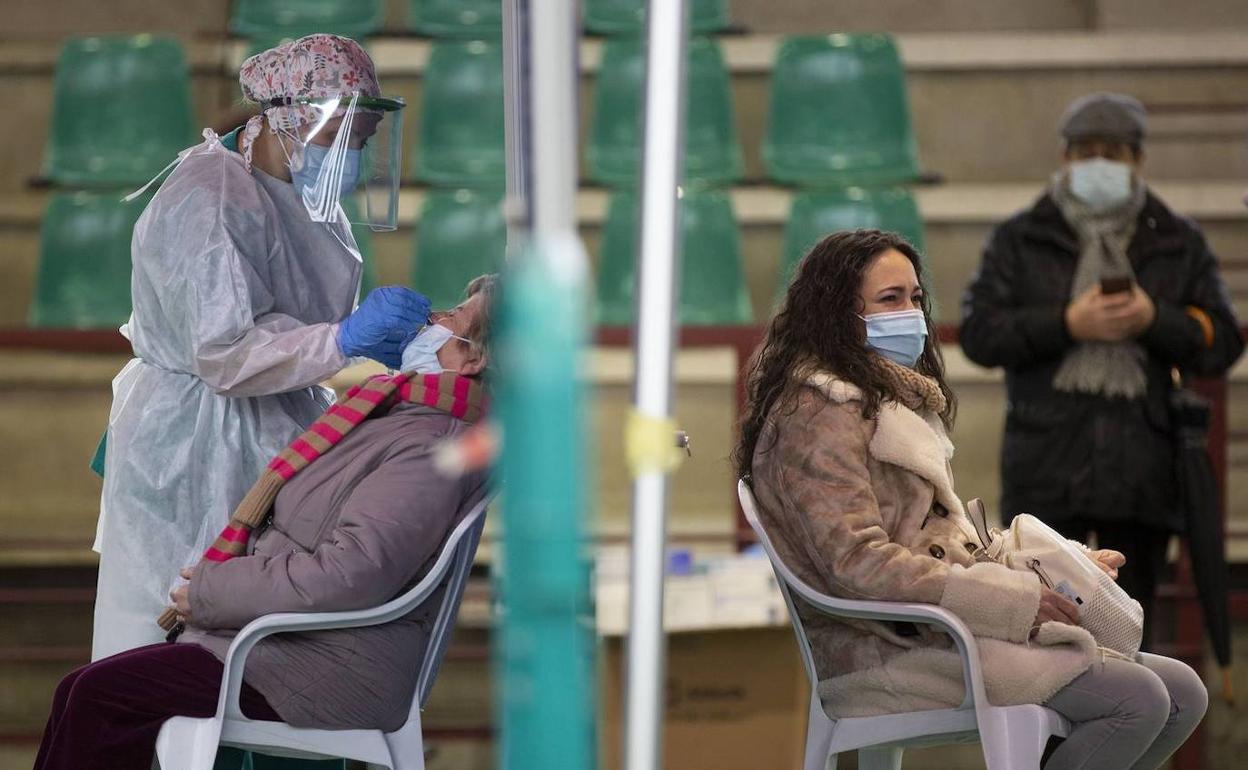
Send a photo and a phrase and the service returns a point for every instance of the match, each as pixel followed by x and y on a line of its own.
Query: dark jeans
pixel 107 714
pixel 1145 549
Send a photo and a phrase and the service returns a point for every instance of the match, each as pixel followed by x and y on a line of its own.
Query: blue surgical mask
pixel 304 178
pixel 899 336
pixel 421 354
pixel 1101 184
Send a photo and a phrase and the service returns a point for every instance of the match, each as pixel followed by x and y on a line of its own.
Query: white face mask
pixel 421 354
pixel 1100 183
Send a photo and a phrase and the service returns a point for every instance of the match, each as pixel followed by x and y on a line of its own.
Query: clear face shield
pixel 353 147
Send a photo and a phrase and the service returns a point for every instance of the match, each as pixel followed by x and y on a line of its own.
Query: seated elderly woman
pixel 361 523
pixel 844 441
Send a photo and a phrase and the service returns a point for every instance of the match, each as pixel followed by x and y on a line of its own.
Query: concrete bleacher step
pixel 985 105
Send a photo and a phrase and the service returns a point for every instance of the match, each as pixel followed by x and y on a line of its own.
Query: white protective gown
pixel 236 295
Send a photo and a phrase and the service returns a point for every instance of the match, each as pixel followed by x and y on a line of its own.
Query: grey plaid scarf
pixel 1101 368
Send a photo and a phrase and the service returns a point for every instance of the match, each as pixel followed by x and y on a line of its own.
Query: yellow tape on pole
pixel 650 444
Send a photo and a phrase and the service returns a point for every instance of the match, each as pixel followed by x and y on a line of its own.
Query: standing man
pixel 245 281
pixel 1089 299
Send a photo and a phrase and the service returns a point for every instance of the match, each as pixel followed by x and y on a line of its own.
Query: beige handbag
pixel 1113 618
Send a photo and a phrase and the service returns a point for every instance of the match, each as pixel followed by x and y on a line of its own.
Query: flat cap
pixel 1105 116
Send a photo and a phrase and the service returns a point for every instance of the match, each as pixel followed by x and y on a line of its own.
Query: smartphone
pixel 1116 285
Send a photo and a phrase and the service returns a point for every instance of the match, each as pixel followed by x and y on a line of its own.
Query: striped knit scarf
pixel 449 392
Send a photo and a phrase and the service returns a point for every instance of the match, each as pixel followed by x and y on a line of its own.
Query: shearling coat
pixel 357 527
pixel 866 509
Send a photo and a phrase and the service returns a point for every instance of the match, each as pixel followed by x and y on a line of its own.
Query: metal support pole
pixel 658 261
pixel 517 128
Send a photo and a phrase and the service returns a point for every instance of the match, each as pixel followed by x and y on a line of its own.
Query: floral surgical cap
pixel 313 67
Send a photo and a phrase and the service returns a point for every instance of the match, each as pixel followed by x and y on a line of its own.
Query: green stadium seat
pixel 456 18
pixel 296 18
pixel 461 234
pixel 121 111
pixel 623 17
pixel 713 288
pixel 461 131
pixel 817 213
pixel 838 113
pixel 83 281
pixel 712 152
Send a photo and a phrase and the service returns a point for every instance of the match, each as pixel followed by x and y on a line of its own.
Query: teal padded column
pixel 544 649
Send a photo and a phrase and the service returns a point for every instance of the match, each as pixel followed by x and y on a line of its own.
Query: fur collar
pixel 903 438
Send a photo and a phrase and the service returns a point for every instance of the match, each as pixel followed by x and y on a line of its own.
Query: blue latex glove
pixel 385 318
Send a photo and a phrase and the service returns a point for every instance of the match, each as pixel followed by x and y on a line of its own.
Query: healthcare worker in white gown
pixel 245 281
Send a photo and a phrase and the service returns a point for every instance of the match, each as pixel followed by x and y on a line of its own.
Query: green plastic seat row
pixel 484 18
pixel 462 234
pixel 121 111
pixel 83 277
pixel 838 115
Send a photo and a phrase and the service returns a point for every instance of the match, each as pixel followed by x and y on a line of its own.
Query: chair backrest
pixel 713 286
pixel 628 17
pixel 451 569
pixel 461 137
pixel 784 577
pixel 83 280
pixel 121 110
pixel 296 18
pixel 712 151
pixel 838 113
pixel 461 234
pixel 476 19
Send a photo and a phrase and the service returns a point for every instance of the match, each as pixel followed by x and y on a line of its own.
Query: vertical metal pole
pixel 658 261
pixel 517 128
pixel 553 32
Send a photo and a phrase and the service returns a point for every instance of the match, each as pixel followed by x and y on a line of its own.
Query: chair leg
pixel 886 758
pixel 188 744
pixel 818 738
pixel 1013 741
pixel 407 745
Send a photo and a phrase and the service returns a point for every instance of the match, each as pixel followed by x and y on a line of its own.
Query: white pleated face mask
pixel 421 354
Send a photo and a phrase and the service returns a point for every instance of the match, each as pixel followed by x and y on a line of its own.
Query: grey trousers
pixel 1127 715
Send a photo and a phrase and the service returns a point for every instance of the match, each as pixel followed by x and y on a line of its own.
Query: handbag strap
pixel 979 518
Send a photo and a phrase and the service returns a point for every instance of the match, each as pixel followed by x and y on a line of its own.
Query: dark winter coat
pixel 1075 455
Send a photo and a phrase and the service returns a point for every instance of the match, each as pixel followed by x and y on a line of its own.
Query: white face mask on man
pixel 1101 184
pixel 421 354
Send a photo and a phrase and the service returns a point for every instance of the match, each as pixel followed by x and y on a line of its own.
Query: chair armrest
pixel 286 622
pixel 930 614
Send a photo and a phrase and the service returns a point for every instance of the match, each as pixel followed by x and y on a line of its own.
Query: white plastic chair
pixel 1012 737
pixel 186 743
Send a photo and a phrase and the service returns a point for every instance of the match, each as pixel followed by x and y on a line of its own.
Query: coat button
pixel 936 551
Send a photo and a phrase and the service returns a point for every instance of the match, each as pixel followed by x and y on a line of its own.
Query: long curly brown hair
pixel 818 328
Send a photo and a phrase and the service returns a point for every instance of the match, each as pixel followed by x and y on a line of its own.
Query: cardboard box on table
pixel 737 695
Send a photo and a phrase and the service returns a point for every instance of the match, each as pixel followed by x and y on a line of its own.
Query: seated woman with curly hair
pixel 844 440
